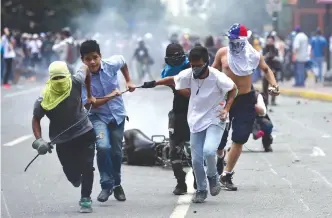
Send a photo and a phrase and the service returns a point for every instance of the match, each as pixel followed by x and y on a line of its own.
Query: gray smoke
pixel 118 25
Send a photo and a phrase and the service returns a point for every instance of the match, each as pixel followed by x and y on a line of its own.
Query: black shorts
pixel 242 117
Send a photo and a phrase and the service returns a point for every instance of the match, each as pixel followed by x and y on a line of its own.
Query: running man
pixel 206 117
pixel 238 61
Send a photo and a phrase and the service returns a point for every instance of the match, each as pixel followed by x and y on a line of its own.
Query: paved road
pixel 293 181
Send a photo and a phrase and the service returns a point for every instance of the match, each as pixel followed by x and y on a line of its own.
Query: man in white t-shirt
pixel 300 56
pixel 206 115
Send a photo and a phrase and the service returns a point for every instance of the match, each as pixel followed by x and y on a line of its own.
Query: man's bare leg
pixel 232 156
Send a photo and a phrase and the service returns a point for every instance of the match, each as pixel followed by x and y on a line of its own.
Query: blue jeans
pixel 319 64
pixel 109 151
pixel 299 73
pixel 204 145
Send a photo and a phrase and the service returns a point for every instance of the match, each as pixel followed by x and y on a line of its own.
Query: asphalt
pixel 293 181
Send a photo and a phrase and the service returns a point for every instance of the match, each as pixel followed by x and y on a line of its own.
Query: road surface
pixel 293 181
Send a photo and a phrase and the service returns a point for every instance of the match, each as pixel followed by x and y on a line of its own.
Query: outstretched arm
pixel 267 72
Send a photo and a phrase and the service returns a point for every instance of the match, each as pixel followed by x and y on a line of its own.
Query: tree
pixel 42 15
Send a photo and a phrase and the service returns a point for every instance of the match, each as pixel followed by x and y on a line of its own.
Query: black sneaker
pixel 214 185
pixel 119 193
pixel 226 181
pixel 180 189
pixel 199 197
pixel 104 195
pixel 267 141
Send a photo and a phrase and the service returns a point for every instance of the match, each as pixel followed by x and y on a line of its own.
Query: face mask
pixel 236 46
pixel 60 85
pixel 170 70
pixel 199 71
pixel 175 60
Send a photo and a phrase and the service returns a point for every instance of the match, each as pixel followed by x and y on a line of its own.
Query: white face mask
pixel 242 58
pixel 237 46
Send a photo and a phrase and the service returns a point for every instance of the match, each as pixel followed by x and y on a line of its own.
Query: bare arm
pixel 184 92
pixel 88 83
pixel 101 101
pixel 267 72
pixel 167 81
pixel 230 97
pixel 36 128
pixel 217 60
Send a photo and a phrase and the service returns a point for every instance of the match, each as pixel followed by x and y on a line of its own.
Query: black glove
pixel 150 84
pixel 42 146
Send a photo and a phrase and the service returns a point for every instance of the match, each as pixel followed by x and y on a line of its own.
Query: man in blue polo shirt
pixel 318 44
pixel 108 117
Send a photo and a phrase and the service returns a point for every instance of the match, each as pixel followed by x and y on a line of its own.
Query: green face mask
pixel 60 85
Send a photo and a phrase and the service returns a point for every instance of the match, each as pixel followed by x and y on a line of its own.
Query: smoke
pixel 251 13
pixel 118 25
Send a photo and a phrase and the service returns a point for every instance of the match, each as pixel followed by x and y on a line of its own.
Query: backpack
pixel 139 149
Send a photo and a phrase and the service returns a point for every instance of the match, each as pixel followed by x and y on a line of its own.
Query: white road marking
pixel 265 159
pixel 292 189
pixel 293 153
pixel 316 151
pixel 18 140
pixel 273 171
pixel 322 177
pixel 304 205
pixel 306 126
pixel 326 136
pixel 6 206
pixel 23 92
pixel 184 201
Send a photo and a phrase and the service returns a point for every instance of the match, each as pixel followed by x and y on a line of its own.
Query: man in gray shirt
pixel 61 103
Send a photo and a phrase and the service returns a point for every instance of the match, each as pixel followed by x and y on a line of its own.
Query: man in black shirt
pixel 179 133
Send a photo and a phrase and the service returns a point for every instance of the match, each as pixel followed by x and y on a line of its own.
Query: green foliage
pixel 52 15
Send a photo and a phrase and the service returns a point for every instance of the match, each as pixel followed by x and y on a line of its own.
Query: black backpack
pixel 139 149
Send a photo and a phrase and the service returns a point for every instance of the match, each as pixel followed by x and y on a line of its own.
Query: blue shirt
pixel 318 44
pixel 103 83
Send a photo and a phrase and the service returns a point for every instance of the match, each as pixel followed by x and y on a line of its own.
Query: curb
pixel 303 94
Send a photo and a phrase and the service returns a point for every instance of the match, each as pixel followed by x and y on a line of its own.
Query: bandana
pixel 242 58
pixel 174 70
pixel 56 91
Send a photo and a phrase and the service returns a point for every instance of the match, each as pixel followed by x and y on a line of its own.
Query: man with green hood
pixel 61 103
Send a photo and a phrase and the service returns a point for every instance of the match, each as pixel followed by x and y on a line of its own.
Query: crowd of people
pixel 29 55
pixel 208 101
pixel 213 92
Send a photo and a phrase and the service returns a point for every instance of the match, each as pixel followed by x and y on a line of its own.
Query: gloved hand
pixel 274 90
pixel 150 84
pixel 42 146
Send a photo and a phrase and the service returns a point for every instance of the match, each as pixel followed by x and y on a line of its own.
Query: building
pixel 309 14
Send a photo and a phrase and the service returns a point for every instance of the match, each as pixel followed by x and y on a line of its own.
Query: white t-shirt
pixel 35 46
pixel 261 104
pixel 205 106
pixel 300 47
pixel 8 51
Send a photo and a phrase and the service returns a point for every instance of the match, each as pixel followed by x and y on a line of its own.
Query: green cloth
pixel 58 87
